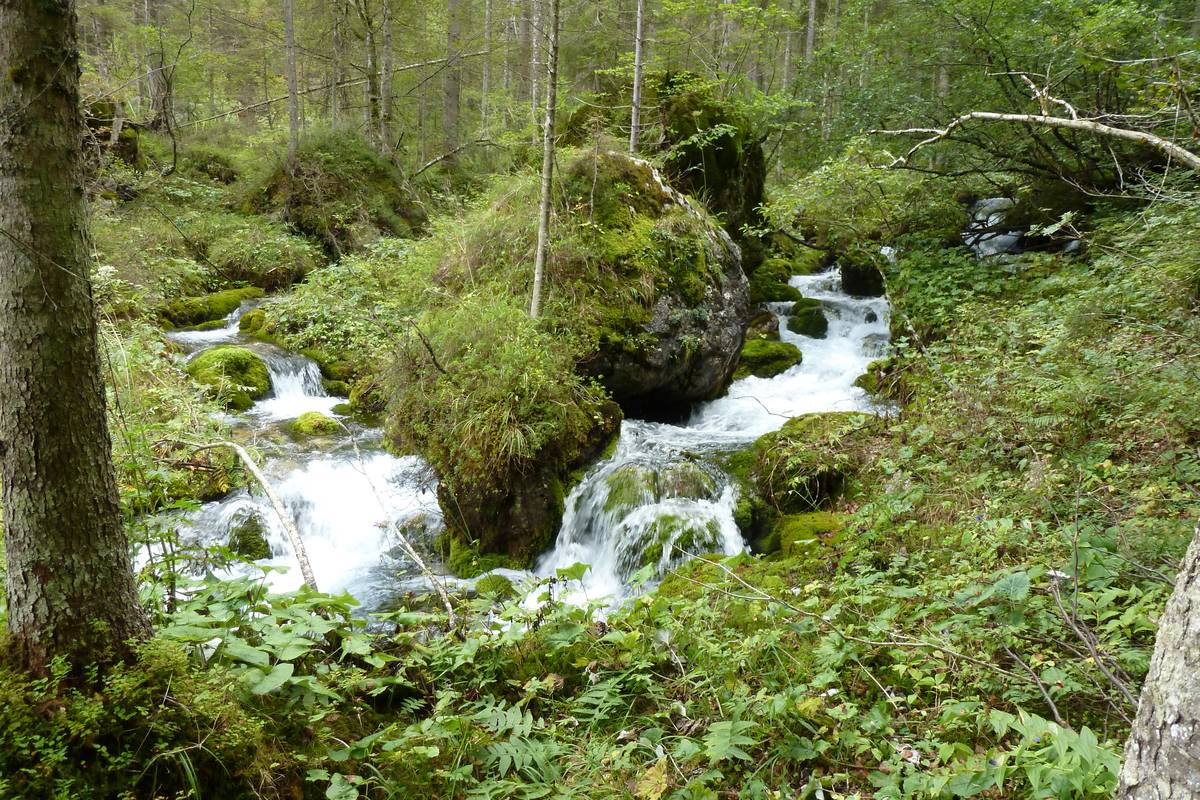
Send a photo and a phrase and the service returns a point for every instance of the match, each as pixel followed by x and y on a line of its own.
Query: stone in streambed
pixel 314 423
pixel 766 359
pixel 807 318
pixel 234 375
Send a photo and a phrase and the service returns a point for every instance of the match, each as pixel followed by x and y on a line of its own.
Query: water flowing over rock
pixel 660 500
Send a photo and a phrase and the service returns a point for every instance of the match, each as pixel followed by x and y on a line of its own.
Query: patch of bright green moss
pixel 766 359
pixel 807 318
pixel 236 376
pixel 314 423
pixel 186 311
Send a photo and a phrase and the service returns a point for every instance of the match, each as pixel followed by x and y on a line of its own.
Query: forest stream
pixel 349 497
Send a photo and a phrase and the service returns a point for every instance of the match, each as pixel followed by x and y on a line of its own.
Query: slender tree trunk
pixel 385 82
pixel 543 243
pixel 1161 755
pixel 70 582
pixel 452 88
pixel 810 35
pixel 289 29
pixel 159 75
pixel 535 63
pixel 638 43
pixel 487 63
pixel 339 25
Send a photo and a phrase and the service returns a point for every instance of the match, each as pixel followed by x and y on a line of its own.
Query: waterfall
pixel 659 499
pixel 296 386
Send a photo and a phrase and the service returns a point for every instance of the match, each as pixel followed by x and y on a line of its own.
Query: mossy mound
pixel 314 423
pixel 763 358
pixel 203 161
pixel 881 379
pixel 253 322
pixel 188 311
pixel 248 538
pixel 802 535
pixel 236 376
pixel 343 194
pixel 769 283
pixel 807 318
pixel 669 539
pixel 809 462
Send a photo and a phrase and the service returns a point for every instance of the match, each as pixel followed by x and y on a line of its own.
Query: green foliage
pixel 343 193
pixel 235 376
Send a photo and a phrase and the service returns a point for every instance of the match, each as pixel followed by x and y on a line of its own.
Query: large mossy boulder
pixel 190 311
pixel 807 318
pixel 677 340
pixel 764 358
pixel 763 325
pixel 809 462
pixel 235 376
pixel 342 193
pixel 633 485
pixel 708 146
pixel 314 423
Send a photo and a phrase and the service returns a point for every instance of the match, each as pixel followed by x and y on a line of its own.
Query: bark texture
pixel 1162 755
pixel 543 242
pixel 70 582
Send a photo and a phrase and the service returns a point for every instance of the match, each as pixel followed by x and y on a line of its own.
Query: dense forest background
pixel 494 232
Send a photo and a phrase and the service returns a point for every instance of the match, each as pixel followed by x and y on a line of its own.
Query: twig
pixel 1041 687
pixel 289 524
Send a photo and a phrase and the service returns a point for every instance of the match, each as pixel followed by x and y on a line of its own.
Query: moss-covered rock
pixel 807 318
pixel 769 283
pixel 861 275
pixel 766 359
pixel 248 537
pixel 253 322
pixel 879 380
pixel 803 535
pixel 314 423
pixel 670 539
pixel 236 376
pixel 188 311
pixel 343 193
pixel 633 485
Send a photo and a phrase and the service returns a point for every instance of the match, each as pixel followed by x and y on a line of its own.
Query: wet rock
pixel 861 276
pixel 807 318
pixel 766 359
pixel 314 423
pixel 234 375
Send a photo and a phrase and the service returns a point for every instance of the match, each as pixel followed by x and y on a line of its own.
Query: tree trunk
pixel 636 119
pixel 70 582
pixel 535 63
pixel 543 243
pixel 289 28
pixel 1162 755
pixel 452 97
pixel 487 63
pixel 335 64
pixel 810 35
pixel 159 76
pixel 386 74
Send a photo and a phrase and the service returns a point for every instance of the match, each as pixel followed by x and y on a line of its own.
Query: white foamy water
pixel 296 388
pixel 347 508
pixel 205 339
pixel 662 528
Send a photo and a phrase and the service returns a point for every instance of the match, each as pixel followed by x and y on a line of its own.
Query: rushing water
pixel 347 495
pixel 659 498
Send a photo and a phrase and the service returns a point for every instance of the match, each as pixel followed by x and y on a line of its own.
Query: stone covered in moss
pixel 185 311
pixel 769 283
pixel 807 318
pixel 671 538
pixel 878 379
pixel 861 276
pixel 314 423
pixel 806 464
pixel 766 359
pixel 253 322
pixel 633 485
pixel 248 538
pixel 236 376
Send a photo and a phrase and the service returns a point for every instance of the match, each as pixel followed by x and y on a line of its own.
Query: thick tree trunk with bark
pixel 1162 755
pixel 70 583
pixel 543 242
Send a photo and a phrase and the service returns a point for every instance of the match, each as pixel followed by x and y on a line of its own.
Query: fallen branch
pixel 433 162
pixel 936 135
pixel 289 524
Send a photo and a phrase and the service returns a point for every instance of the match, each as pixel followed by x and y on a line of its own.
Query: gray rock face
pixel 692 347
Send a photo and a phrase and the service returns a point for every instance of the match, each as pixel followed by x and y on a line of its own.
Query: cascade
pixel 659 499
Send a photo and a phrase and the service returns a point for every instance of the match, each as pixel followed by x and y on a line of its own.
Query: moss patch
pixel 314 423
pixel 766 359
pixel 236 376
pixel 769 283
pixel 187 311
